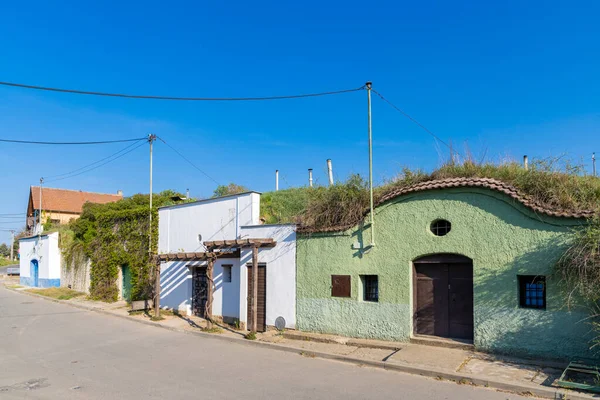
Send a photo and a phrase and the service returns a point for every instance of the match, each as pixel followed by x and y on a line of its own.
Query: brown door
pixel 262 297
pixel 444 297
pixel 199 291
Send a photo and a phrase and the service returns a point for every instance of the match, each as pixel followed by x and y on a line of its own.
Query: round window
pixel 440 227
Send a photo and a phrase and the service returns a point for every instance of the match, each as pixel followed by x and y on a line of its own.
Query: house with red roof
pixel 60 206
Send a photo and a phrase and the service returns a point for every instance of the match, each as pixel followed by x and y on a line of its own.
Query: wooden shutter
pixel 340 286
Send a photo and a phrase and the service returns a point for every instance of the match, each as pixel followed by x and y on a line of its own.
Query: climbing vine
pixel 116 234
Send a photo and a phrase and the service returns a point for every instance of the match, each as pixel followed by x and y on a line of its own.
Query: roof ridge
pixel 76 191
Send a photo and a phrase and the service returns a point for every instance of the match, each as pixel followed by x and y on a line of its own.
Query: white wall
pixel 45 250
pixel 280 275
pixel 214 219
pixel 176 287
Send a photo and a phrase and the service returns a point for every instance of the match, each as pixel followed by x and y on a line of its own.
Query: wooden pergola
pixel 218 249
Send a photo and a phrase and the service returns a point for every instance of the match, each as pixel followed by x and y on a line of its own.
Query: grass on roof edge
pixel 553 183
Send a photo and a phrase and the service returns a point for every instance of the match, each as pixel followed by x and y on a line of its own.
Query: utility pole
pixel 368 86
pixel 12 245
pixel 151 139
pixel 594 163
pixel 39 228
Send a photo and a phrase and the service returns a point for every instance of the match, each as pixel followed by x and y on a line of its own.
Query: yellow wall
pixel 64 218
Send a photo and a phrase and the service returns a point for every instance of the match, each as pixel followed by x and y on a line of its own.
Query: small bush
pixel 251 335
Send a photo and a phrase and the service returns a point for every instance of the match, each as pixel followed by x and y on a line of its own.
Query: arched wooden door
pixel 443 296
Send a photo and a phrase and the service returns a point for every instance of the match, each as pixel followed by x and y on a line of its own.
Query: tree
pixel 4 250
pixel 232 188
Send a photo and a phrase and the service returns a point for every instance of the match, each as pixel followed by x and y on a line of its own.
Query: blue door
pixel 34 272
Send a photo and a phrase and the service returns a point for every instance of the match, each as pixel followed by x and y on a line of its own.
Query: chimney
pixel 526 162
pixel 119 193
pixel 310 180
pixel 330 172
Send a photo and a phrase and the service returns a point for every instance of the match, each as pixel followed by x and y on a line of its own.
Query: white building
pixel 183 228
pixel 40 260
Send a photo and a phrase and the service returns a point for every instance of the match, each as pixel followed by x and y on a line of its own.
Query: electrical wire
pixel 413 120
pixel 10 215
pixel 191 163
pixel 71 143
pixel 135 96
pixel 96 167
pixel 94 163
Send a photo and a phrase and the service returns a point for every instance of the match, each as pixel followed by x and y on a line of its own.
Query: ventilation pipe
pixel 276 180
pixel 525 163
pixel 594 163
pixel 330 172
pixel 310 180
pixel 187 195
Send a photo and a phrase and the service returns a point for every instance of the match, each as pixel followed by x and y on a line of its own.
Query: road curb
pixel 458 377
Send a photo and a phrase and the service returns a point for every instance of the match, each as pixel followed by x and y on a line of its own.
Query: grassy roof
pixel 553 183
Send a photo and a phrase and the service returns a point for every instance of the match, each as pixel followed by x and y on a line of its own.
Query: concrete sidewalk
pixel 462 366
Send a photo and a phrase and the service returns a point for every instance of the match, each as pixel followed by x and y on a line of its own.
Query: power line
pixel 97 166
pixel 413 120
pixel 191 163
pixel 135 96
pixel 70 143
pixel 92 164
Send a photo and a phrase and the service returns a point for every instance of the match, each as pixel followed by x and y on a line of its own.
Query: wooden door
pixel 444 297
pixel 199 291
pixel 460 297
pixel 431 313
pixel 262 298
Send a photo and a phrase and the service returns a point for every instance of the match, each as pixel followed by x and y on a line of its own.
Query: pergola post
pixel 157 289
pixel 209 300
pixel 254 288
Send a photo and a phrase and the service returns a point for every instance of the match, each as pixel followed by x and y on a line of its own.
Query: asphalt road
pixel 3 269
pixel 54 351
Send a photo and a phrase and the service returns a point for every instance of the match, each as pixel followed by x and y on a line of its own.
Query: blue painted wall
pixel 43 283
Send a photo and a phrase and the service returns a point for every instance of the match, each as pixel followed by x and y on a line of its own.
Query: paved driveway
pixel 54 351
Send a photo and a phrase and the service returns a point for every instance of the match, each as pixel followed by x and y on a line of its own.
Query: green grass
pixel 14 286
pixel 5 261
pixel 57 293
pixel 554 183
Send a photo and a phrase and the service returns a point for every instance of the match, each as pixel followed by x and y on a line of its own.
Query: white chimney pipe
pixel 276 180
pixel 310 180
pixel 330 172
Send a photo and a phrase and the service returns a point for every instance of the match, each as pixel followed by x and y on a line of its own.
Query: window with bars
pixel 227 273
pixel 532 291
pixel 370 286
pixel 440 227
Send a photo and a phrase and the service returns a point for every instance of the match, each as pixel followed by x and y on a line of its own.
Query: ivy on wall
pixel 116 234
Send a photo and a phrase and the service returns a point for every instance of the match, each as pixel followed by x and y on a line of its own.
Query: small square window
pixel 532 291
pixel 227 273
pixel 370 286
pixel 340 286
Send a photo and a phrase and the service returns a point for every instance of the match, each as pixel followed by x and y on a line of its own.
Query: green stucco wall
pixel 501 236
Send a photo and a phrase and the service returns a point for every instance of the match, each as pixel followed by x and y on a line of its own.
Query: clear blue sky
pixel 509 78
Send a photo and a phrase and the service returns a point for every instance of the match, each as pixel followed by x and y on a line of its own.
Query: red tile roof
pixel 70 201
pixel 487 183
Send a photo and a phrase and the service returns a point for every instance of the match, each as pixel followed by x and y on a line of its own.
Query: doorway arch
pixel 443 296
pixel 34 272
